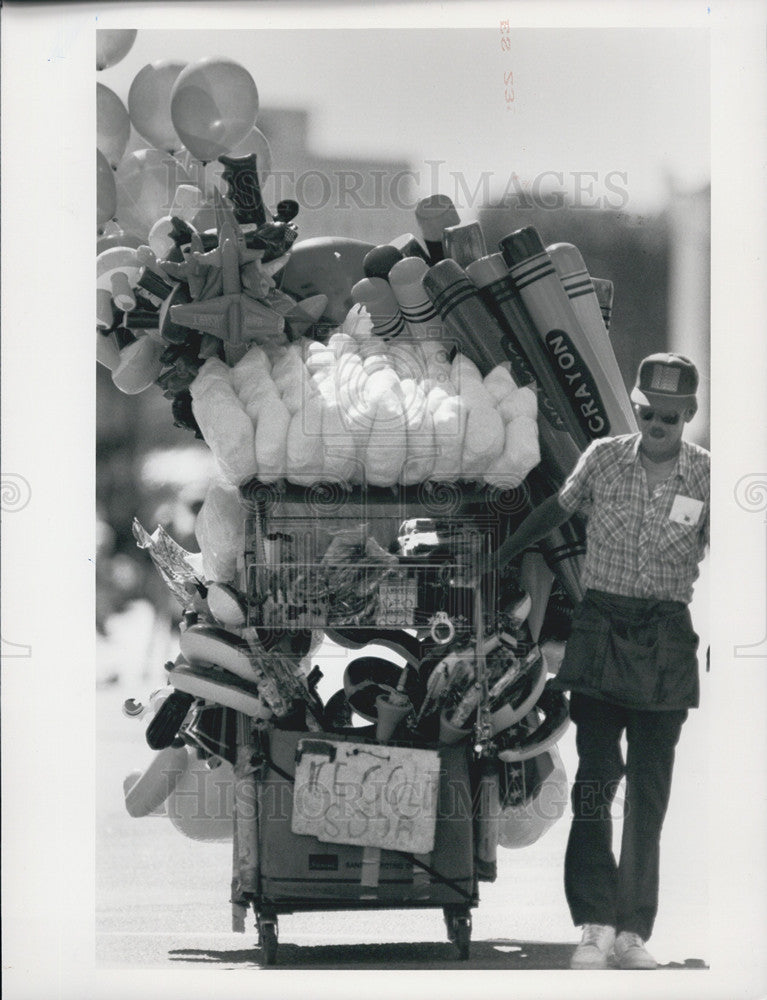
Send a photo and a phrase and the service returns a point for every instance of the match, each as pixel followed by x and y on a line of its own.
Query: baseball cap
pixel 665 378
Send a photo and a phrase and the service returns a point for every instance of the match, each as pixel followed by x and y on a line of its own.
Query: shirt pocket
pixel 678 542
pixel 610 521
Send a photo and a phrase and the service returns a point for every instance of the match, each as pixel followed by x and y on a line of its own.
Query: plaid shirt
pixel 633 547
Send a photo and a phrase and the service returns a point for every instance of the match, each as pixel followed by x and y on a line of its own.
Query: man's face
pixel 661 428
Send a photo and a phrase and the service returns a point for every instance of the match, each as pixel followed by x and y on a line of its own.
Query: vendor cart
pixel 321 820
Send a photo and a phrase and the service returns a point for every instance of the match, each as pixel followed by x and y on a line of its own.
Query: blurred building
pixel 344 195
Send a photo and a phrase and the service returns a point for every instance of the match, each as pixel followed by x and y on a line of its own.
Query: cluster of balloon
pixel 149 104
pixel 189 115
pixel 112 124
pixel 113 45
pixel 147 180
pixel 213 107
pixel 106 190
pixel 167 212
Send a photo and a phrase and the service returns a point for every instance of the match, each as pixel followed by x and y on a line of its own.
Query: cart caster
pixel 267 939
pixel 458 924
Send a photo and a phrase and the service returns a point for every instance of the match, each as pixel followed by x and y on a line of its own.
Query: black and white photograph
pixel 372 605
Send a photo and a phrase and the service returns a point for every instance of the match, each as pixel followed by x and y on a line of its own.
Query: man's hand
pixel 539 522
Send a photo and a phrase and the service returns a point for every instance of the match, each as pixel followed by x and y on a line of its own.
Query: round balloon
pixel 146 184
pixel 114 236
pixel 201 806
pixel 149 103
pixel 112 124
pixel 213 105
pixel 192 167
pixel 106 190
pixel 112 46
pixel 254 142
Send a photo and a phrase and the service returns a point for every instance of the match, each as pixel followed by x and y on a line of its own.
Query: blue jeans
pixel 599 890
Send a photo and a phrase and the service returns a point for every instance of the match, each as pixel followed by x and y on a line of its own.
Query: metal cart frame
pixel 283 558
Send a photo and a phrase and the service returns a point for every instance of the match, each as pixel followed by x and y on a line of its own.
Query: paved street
pixel 163 900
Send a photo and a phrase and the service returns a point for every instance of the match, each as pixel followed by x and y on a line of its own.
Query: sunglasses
pixel 670 419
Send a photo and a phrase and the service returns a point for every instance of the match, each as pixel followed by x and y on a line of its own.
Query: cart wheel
pixel 462 939
pixel 267 940
pixel 458 923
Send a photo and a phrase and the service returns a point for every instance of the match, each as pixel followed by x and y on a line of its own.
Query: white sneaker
pixel 595 947
pixel 630 952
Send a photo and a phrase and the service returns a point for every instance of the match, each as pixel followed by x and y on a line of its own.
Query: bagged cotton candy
pixel 304 458
pixel 499 383
pixel 386 449
pixel 211 372
pixel 419 424
pixel 450 418
pixel 272 425
pixel 250 366
pixel 220 531
pixel 339 448
pixel 520 403
pixel 521 453
pixel 483 440
pixel 227 429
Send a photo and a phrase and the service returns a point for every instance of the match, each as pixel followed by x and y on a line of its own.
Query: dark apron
pixel 638 652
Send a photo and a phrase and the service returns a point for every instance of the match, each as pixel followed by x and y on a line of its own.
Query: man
pixel 630 662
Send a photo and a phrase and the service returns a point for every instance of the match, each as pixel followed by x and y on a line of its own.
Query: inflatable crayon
pixel 577 282
pixel 145 793
pixel 422 319
pixel 409 246
pixel 564 548
pixel 201 806
pixel 434 215
pixel 605 292
pixel 465 316
pixel 465 243
pixel 376 296
pixel 219 686
pixel 579 365
pixel 536 577
pixel 380 260
pixel 560 431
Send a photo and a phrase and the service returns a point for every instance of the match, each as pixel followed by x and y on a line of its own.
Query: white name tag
pixel 685 510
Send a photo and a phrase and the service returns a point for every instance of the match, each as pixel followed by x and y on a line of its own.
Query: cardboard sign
pixel 372 795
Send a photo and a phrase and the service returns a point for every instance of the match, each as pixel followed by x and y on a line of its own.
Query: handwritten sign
pixel 372 795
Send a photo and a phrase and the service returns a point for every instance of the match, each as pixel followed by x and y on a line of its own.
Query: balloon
pixel 146 184
pixel 149 103
pixel 112 124
pixel 192 167
pixel 114 236
pixel 201 806
pixel 106 190
pixel 325 265
pixel 213 105
pixel 112 46
pixel 187 202
pixel 254 142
